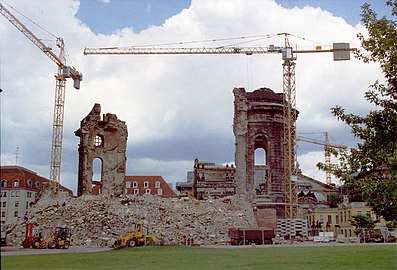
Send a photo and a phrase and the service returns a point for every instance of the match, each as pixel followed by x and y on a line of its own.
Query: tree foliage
pixel 371 167
pixel 361 222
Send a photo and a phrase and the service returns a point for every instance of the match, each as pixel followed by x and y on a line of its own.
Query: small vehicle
pixel 137 237
pixel 32 238
pixel 61 238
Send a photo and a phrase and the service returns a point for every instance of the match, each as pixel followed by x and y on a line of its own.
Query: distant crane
pixel 341 51
pixel 327 151
pixel 64 72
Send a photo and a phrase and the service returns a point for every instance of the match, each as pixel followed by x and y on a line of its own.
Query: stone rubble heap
pixel 99 220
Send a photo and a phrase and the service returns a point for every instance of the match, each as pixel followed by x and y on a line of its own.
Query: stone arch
pixel 105 139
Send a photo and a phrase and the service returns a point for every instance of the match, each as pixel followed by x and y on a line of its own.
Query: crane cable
pixel 39 26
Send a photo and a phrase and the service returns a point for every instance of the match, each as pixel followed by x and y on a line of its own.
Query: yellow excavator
pixel 137 237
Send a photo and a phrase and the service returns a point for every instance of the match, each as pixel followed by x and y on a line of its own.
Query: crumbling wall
pixel 105 139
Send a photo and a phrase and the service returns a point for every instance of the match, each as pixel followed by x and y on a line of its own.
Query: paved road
pixel 12 251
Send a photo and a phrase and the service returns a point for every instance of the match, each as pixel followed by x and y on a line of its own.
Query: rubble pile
pixel 99 220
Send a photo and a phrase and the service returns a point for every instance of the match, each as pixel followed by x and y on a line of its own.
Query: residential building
pixel 140 185
pixel 19 188
pixel 154 185
pixel 338 220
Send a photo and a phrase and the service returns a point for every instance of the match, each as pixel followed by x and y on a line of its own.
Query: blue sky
pixel 177 108
pixel 107 16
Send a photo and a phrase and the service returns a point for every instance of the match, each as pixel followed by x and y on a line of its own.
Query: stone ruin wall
pixel 258 123
pixel 106 139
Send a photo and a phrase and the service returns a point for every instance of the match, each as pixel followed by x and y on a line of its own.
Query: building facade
pixel 338 220
pixel 141 185
pixel 19 189
pixel 213 180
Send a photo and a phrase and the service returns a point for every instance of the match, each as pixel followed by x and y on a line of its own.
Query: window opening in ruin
pixel 30 183
pixel 128 184
pixel 97 169
pixel 146 184
pixel 3 183
pixel 260 170
pixel 260 156
pixel 98 140
pixel 135 184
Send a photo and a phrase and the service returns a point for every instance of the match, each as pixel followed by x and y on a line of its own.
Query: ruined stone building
pixel 258 129
pixel 213 180
pixel 209 180
pixel 104 138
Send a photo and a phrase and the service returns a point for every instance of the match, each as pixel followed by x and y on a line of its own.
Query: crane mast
pixel 63 73
pixel 327 151
pixel 341 52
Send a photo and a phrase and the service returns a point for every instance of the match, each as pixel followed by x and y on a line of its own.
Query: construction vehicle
pixel 33 239
pixel 341 51
pixel 137 237
pixel 62 237
pixel 64 72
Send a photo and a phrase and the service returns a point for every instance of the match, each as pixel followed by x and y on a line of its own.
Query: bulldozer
pixel 139 236
pixel 61 237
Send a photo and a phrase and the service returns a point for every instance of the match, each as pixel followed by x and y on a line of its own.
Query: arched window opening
pixel 3 183
pixel 260 156
pixel 97 174
pixel 16 183
pixel 260 171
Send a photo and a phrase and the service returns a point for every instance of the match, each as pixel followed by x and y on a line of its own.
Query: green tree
pixel 361 222
pixel 371 167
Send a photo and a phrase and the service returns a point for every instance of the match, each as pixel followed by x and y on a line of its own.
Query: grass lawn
pixel 321 257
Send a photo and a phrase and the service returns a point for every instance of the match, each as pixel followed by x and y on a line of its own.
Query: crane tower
pixel 327 151
pixel 64 72
pixel 341 51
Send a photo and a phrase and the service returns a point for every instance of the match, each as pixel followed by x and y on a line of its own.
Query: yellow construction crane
pixel 327 151
pixel 341 51
pixel 64 72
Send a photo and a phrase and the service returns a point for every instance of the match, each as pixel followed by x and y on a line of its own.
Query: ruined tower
pixel 104 139
pixel 258 125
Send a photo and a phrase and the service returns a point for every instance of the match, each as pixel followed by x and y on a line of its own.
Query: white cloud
pixel 182 102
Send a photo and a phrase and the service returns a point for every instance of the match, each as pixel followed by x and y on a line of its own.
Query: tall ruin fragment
pixel 258 124
pixel 104 139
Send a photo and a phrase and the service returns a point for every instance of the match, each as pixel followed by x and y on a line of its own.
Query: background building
pixel 142 184
pixel 19 189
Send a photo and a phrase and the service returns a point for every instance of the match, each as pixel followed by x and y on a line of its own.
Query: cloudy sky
pixel 177 108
